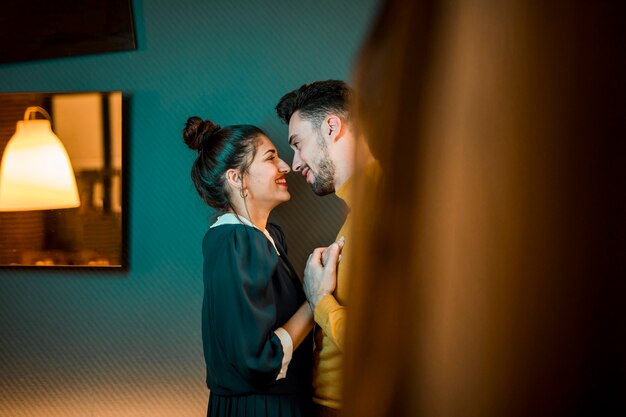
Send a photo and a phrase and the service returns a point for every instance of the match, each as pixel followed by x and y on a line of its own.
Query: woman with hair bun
pixel 256 322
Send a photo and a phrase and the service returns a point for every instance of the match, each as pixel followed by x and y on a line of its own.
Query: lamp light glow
pixel 36 172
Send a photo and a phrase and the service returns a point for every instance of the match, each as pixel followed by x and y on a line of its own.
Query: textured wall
pixel 77 343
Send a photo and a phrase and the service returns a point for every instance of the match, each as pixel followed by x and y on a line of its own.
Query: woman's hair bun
pixel 196 130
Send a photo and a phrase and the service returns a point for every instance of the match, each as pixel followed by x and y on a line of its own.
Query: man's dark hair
pixel 316 100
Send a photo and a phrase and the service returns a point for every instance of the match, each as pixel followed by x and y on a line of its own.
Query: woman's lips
pixel 282 182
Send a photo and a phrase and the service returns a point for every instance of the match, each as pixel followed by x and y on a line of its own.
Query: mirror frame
pixel 123 266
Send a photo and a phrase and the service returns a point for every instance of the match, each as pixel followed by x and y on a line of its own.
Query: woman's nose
pixel 283 167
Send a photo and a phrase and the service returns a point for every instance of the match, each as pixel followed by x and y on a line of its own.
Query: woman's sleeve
pixel 245 310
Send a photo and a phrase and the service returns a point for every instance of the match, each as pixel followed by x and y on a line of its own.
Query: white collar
pixel 232 218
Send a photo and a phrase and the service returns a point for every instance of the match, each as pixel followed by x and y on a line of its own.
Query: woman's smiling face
pixel 265 178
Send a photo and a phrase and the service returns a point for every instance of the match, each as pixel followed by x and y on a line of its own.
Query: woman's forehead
pixel 265 142
pixel 264 145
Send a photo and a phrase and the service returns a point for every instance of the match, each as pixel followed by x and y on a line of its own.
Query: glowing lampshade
pixel 36 172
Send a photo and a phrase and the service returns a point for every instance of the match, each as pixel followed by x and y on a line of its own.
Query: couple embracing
pixel 262 357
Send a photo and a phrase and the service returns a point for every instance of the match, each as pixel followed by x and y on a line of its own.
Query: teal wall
pixel 81 343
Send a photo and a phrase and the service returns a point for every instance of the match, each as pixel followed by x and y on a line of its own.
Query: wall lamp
pixel 36 172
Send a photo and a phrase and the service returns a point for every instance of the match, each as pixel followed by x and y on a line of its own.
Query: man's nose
pixel 296 164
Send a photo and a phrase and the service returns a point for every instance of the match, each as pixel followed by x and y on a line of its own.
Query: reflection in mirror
pixel 90 232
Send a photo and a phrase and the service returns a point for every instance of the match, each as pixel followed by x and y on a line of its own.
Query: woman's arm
pixel 292 333
pixel 300 324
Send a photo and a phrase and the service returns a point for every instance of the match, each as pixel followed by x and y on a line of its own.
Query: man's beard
pixel 324 182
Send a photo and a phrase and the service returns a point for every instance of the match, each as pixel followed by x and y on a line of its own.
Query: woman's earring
pixel 243 192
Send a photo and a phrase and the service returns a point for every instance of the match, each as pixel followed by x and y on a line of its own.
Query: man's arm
pixel 331 317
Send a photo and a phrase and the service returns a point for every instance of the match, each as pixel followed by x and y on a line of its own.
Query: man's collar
pixel 346 193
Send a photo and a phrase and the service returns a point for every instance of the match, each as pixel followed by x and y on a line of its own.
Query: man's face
pixel 311 156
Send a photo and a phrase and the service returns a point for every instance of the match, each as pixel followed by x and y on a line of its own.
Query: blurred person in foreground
pixel 491 288
pixel 322 136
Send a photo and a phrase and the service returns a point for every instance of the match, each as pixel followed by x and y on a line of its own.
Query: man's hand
pixel 320 274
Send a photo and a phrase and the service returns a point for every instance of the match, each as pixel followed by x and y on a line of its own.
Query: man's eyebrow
pixel 292 138
pixel 269 150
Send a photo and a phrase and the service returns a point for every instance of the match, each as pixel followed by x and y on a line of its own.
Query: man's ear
pixel 234 178
pixel 332 127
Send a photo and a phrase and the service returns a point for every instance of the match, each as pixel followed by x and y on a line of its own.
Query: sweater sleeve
pixel 331 317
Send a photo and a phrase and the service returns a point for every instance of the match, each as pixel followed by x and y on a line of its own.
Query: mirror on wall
pixel 53 144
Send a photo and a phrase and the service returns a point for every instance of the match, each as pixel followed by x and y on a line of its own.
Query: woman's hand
pixel 340 242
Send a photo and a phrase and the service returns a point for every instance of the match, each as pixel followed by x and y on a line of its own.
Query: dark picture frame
pixel 43 29
pixel 95 235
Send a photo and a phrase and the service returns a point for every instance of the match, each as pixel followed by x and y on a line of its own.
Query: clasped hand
pixel 320 273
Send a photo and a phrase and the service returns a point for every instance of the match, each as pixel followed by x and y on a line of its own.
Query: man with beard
pixel 328 153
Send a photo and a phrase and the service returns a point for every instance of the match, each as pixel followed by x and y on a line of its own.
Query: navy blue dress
pixel 250 291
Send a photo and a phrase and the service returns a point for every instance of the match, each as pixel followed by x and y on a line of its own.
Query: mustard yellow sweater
pixel 330 314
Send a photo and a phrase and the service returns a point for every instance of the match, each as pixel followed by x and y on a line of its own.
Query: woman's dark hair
pixel 219 149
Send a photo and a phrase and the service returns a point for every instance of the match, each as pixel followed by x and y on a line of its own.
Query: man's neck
pixel 362 158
